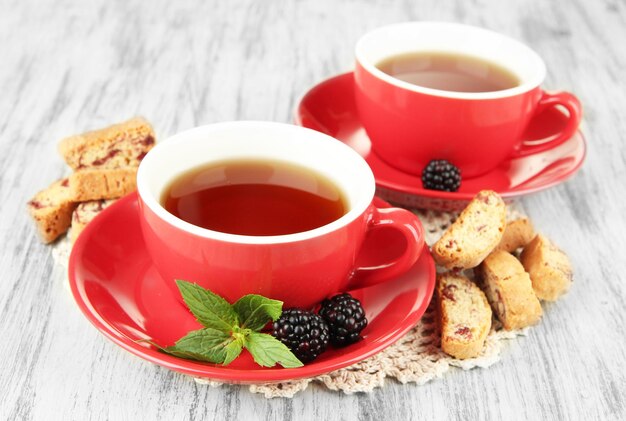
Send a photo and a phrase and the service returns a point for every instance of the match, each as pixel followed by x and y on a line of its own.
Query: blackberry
pixel 305 333
pixel 439 174
pixel 345 318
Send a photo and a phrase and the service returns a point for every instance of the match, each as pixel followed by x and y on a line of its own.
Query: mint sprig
pixel 228 329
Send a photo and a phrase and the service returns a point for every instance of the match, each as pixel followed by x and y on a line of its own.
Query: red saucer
pixel 329 107
pixel 118 289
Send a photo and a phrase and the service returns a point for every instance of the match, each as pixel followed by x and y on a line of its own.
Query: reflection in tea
pixel 449 72
pixel 254 197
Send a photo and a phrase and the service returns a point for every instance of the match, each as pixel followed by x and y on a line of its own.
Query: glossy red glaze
pixel 330 108
pixel 118 288
pixel 409 128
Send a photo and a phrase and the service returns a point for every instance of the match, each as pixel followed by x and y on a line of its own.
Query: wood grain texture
pixel 67 66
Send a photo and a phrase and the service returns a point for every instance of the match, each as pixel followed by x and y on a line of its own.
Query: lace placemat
pixel 415 358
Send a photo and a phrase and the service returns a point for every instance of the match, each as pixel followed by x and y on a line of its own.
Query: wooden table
pixel 67 66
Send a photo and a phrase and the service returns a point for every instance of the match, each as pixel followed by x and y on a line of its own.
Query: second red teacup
pixel 267 208
pixel 430 90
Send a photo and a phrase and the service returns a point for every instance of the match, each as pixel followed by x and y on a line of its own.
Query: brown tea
pixel 253 197
pixel 449 72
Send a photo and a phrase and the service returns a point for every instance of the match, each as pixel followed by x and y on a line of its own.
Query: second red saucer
pixel 329 107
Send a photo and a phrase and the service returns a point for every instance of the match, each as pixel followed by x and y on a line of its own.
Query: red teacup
pixel 409 125
pixel 300 269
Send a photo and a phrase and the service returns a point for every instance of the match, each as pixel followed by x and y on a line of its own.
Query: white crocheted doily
pixel 415 358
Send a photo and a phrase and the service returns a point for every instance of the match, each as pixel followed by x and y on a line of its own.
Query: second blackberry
pixel 345 317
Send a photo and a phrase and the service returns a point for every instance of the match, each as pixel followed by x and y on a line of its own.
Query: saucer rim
pixel 437 194
pixel 217 372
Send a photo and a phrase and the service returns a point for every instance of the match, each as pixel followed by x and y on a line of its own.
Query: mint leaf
pixel 254 311
pixel 207 344
pixel 232 351
pixel 188 355
pixel 267 351
pixel 210 309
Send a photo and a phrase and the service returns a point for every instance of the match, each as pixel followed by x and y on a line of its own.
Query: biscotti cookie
pixel 549 268
pixel 509 290
pixel 517 234
pixel 474 234
pixel 464 316
pixel 52 210
pixel 94 184
pixel 84 214
pixel 117 146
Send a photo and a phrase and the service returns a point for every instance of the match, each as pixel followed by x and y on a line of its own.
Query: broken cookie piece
pixel 474 234
pixel 549 268
pixel 51 209
pixel 517 234
pixel 84 214
pixel 117 146
pixel 464 316
pixel 95 184
pixel 509 290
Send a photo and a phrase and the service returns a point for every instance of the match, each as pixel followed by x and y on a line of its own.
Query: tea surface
pixel 449 72
pixel 252 197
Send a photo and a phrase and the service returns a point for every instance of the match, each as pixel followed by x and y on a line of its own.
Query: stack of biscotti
pixel 104 164
pixel 482 240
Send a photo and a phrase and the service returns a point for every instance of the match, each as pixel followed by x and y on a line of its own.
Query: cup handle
pixel 410 227
pixel 574 109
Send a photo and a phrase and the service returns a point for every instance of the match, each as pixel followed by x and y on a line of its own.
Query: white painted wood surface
pixel 67 66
